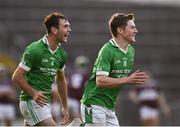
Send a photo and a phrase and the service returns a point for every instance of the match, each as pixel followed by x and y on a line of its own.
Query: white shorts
pixel 56 110
pixel 148 113
pixel 98 116
pixel 7 111
pixel 74 105
pixel 34 113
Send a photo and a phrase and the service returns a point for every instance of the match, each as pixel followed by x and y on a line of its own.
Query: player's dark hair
pixel 52 20
pixel 119 20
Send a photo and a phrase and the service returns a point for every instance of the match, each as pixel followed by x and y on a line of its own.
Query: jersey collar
pixel 114 43
pixel 45 40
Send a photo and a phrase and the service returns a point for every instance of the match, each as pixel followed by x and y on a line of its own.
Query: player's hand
pixel 138 77
pixel 65 119
pixel 40 98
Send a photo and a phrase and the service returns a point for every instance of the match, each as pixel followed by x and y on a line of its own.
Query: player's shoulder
pixel 106 49
pixel 131 48
pixel 61 50
pixel 107 46
pixel 36 45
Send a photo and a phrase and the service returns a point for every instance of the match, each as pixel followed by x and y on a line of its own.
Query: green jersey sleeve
pixel 27 59
pixel 103 62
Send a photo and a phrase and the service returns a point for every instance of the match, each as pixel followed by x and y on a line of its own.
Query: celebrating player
pixel 41 62
pixel 111 72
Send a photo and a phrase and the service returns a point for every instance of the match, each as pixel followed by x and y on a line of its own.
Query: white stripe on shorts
pixel 34 113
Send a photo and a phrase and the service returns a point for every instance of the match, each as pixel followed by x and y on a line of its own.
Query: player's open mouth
pixel 134 36
pixel 65 35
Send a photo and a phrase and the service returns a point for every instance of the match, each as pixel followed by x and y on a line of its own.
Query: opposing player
pixel 111 72
pixel 7 97
pixel 76 79
pixel 76 84
pixel 41 62
pixel 150 100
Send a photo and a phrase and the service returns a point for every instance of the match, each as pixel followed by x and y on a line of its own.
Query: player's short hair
pixel 52 20
pixel 119 20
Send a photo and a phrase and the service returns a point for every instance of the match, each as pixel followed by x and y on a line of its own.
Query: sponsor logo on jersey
pixel 49 71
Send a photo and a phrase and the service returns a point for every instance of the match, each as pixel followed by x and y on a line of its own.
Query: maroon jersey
pixel 76 84
pixel 5 86
pixel 148 94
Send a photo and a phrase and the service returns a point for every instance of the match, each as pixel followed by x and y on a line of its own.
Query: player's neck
pixel 52 43
pixel 121 43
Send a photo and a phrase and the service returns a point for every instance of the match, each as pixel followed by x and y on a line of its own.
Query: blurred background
pixel 157 43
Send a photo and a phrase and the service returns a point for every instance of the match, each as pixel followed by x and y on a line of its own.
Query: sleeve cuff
pixel 24 67
pixel 102 73
pixel 62 68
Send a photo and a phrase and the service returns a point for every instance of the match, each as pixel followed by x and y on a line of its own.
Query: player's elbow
pixel 14 78
pixel 18 75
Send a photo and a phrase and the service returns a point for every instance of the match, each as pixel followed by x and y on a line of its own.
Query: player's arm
pixel 132 95
pixel 137 77
pixel 62 90
pixel 103 62
pixel 19 79
pixel 164 105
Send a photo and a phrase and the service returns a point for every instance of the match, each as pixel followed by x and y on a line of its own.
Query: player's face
pixel 130 31
pixel 63 31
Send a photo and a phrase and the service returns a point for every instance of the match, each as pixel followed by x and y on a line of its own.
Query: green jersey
pixel 113 62
pixel 41 64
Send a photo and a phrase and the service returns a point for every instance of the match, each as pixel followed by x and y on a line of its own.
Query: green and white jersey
pixel 41 64
pixel 113 62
